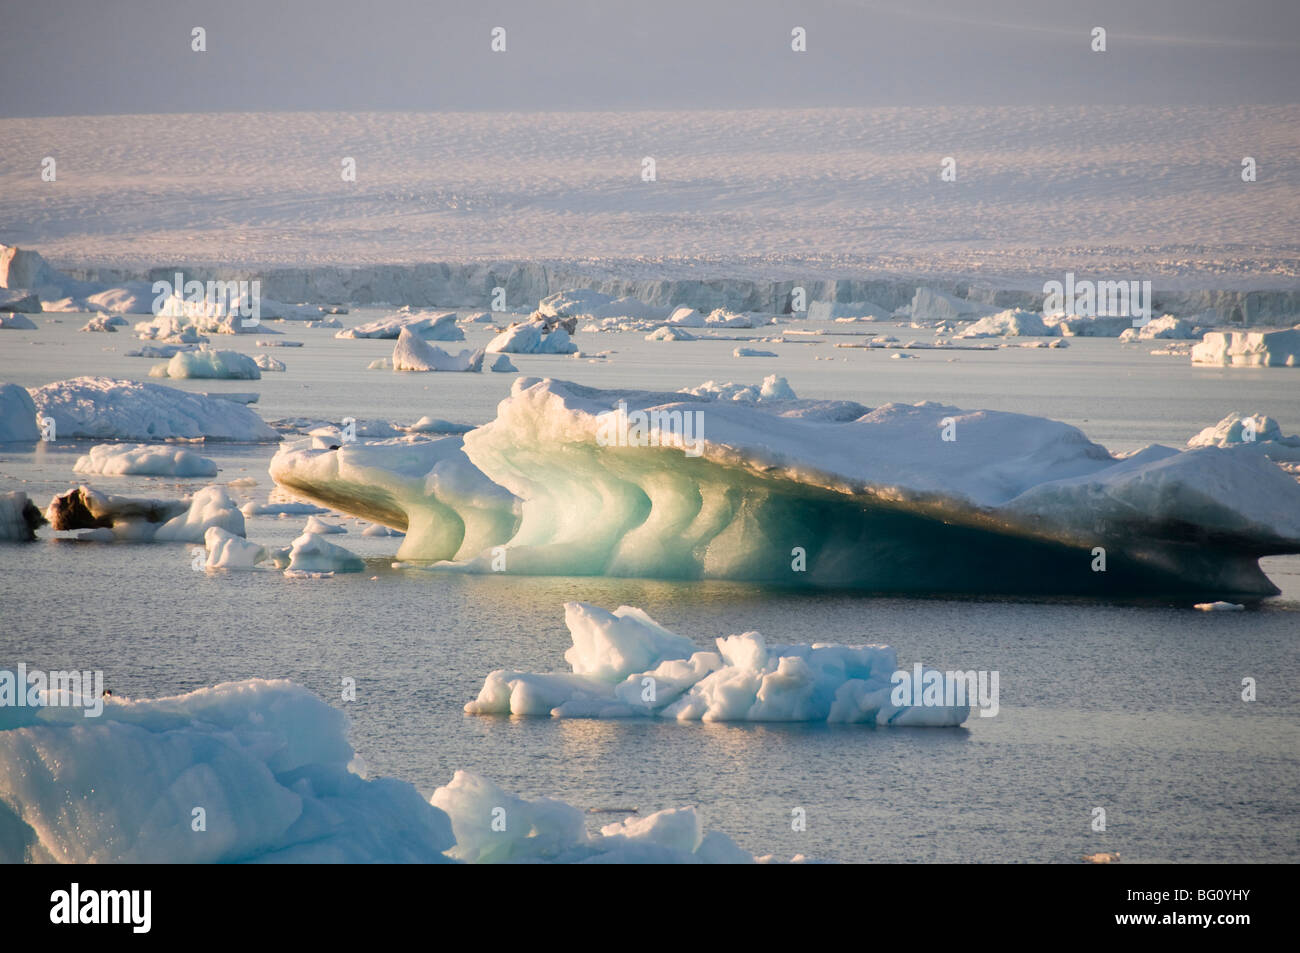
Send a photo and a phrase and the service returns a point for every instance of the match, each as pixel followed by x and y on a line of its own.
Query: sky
pixel 82 57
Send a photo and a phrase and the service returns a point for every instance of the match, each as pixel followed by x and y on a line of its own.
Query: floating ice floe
pixel 271 765
pixel 438 326
pixel 670 333
pixel 13 321
pixel 685 318
pixel 19 517
pixel 545 830
pixel 1249 348
pixel 17 415
pixel 772 388
pixel 19 301
pixel 319 527
pixel 1165 327
pixel 722 318
pixel 103 323
pixel 1219 606
pixel 161 350
pixel 1009 324
pixel 265 362
pixel 501 365
pixel 267 760
pixel 437 425
pixel 532 337
pixel 752 352
pixel 130 519
pixel 228 551
pixel 144 460
pixel 877 499
pixel 1088 326
pixel 209 362
pixel 1256 433
pixel 102 408
pixel 413 353
pixel 625 664
pixel 312 554
pixel 281 508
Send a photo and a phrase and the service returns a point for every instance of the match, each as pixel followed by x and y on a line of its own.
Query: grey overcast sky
pixel 73 57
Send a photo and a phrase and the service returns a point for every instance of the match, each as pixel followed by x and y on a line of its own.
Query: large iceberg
pixel 101 408
pixel 585 303
pixel 923 497
pixel 1249 348
pixel 626 664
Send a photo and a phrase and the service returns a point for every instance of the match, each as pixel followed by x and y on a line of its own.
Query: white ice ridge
pixel 101 408
pixel 110 459
pixel 270 765
pixel 625 664
pixel 904 497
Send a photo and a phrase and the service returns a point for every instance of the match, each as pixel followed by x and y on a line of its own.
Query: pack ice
pixel 924 497
pixel 626 664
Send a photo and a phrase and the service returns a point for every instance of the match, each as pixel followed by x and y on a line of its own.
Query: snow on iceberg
pixel 1165 327
pixel 17 415
pixel 625 664
pixel 267 761
pixel 440 326
pixel 102 408
pixel 19 517
pixel 413 353
pixel 873 499
pixel 110 459
pixel 1249 348
pixel 209 362
pixel 531 337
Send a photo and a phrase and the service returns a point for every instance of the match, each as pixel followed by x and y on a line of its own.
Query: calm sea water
pixel 1131 707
